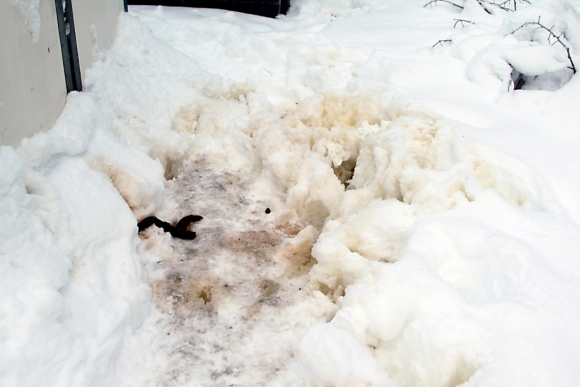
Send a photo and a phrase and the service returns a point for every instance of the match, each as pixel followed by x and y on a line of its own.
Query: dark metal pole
pixel 72 45
pixel 68 45
pixel 64 46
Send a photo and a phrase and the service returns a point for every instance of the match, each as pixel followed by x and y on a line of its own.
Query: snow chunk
pixel 536 59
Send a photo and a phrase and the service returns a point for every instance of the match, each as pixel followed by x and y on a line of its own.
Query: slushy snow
pixel 390 198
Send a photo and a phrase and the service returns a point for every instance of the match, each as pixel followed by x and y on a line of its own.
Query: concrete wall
pixel 32 85
pixel 95 25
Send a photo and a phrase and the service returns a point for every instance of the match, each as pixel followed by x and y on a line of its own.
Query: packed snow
pixel 389 190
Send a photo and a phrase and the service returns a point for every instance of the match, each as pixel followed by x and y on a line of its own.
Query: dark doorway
pixel 268 8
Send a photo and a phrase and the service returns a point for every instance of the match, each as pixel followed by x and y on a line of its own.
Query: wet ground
pixel 234 302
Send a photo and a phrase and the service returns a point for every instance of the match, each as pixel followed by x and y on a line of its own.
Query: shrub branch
pixel 462 22
pixel 441 42
pixel 443 1
pixel 551 35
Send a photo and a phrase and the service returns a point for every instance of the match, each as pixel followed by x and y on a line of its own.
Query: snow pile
pixel 68 241
pixel 354 234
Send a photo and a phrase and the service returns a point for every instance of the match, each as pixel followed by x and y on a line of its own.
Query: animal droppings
pixel 178 231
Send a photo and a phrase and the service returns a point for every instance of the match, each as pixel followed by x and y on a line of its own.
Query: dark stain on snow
pixel 214 290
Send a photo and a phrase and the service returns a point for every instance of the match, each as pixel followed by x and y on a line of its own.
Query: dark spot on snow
pixel 233 254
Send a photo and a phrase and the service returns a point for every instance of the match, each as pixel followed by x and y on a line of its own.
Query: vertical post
pixel 68 45
pixel 72 44
pixel 64 46
pixel 125 6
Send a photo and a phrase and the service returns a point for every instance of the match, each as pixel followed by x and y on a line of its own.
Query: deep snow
pixel 423 224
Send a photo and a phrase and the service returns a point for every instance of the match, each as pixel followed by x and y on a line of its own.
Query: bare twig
pixel 504 6
pixel 443 1
pixel 480 2
pixel 522 1
pixel 499 5
pixel 551 35
pixel 462 22
pixel 441 42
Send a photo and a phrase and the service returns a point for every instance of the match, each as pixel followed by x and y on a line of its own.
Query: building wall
pixel 95 26
pixel 32 85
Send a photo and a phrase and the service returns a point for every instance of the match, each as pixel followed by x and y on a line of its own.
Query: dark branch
pixel 443 1
pixel 441 42
pixel 480 2
pixel 500 6
pixel 551 35
pixel 504 6
pixel 462 21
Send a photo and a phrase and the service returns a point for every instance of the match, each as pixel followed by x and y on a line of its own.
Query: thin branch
pixel 501 6
pixel 480 2
pixel 462 22
pixel 516 3
pixel 551 35
pixel 443 1
pixel 441 42
pixel 504 6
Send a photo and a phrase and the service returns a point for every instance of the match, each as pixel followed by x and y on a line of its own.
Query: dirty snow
pixel 390 198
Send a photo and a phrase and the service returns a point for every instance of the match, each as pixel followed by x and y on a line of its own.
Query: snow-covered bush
pixel 517 44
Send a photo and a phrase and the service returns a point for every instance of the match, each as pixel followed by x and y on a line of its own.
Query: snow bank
pixel 72 278
pixel 385 232
pixel 404 201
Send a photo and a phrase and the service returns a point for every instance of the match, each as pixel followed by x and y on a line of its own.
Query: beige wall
pixel 32 87
pixel 32 84
pixel 95 26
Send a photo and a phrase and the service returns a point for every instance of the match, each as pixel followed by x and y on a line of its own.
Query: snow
pixel 30 12
pixel 378 209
